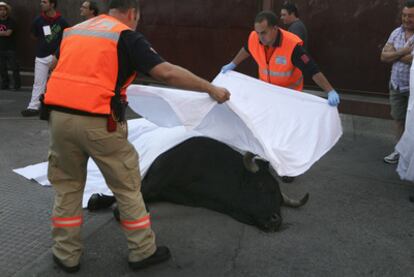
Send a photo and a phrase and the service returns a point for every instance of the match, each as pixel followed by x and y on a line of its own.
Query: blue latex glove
pixel 228 67
pixel 333 98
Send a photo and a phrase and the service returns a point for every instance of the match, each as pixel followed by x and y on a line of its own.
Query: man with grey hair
pixel 86 93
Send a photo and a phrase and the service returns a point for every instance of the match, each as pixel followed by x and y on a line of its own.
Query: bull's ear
pixel 249 162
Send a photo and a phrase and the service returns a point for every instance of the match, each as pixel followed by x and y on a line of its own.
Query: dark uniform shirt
pixel 48 32
pixel 300 58
pixel 7 43
pixel 299 29
pixel 135 54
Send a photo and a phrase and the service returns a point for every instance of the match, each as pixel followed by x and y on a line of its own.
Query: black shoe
pixel 287 179
pixel 161 254
pixel 100 201
pixel 68 269
pixel 29 112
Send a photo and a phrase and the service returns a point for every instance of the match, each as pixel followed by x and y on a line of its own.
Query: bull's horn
pixel 293 203
pixel 249 162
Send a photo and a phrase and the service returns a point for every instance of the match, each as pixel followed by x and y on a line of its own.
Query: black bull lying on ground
pixel 206 173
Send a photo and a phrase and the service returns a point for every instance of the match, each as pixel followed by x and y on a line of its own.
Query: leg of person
pixel 14 66
pixel 118 161
pixel 41 73
pixel 398 103
pixel 3 70
pixel 67 174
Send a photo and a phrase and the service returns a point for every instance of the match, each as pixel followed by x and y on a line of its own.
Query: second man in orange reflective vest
pixel 281 57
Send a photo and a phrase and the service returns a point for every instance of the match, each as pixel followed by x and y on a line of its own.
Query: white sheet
pixel 406 144
pixel 289 129
pixel 149 140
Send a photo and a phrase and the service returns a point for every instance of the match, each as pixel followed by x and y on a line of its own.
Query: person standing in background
pixel 290 17
pixel 8 48
pixel 398 52
pixel 89 9
pixel 47 28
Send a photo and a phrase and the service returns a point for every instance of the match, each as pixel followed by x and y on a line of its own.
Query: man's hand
pixel 219 94
pixel 228 67
pixel 406 50
pixel 333 98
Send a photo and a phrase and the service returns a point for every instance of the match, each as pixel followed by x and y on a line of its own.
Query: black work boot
pixel 100 201
pixel 68 269
pixel 161 254
pixel 287 179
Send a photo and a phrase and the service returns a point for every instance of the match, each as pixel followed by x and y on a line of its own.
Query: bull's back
pixel 197 168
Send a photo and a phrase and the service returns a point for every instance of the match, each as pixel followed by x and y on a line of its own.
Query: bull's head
pixel 263 177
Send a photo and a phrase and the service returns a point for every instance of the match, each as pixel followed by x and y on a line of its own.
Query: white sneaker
pixel 392 158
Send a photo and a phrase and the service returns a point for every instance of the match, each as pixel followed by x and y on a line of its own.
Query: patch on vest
pixel 281 60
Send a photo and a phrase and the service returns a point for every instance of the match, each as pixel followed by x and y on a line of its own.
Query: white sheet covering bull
pixel 289 129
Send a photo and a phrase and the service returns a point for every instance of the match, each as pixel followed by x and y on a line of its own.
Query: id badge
pixel 46 30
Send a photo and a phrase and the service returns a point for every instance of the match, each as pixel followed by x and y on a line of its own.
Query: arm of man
pixel 389 54
pixel 135 51
pixel 407 59
pixel 240 57
pixel 302 60
pixel 6 33
pixel 180 77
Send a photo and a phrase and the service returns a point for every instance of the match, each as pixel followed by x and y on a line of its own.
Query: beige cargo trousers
pixel 73 139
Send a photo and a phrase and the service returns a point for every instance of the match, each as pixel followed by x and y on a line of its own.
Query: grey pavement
pixel 358 221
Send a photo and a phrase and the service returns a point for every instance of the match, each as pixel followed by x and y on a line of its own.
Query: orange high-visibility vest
pixel 86 74
pixel 280 70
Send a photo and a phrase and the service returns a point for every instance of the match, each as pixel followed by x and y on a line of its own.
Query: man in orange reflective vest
pixel 281 58
pixel 86 97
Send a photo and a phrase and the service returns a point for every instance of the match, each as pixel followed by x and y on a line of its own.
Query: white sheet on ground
pixel 149 140
pixel 291 130
pixel 406 144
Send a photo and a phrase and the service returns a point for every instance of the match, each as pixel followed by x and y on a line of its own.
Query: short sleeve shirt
pixel 7 43
pixel 299 29
pixel 49 34
pixel 135 54
pixel 400 72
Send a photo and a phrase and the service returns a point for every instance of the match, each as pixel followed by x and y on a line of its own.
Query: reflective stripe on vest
pixel 141 223
pixel 87 71
pixel 276 73
pixel 65 222
pixel 279 69
pixel 297 83
pixel 92 33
